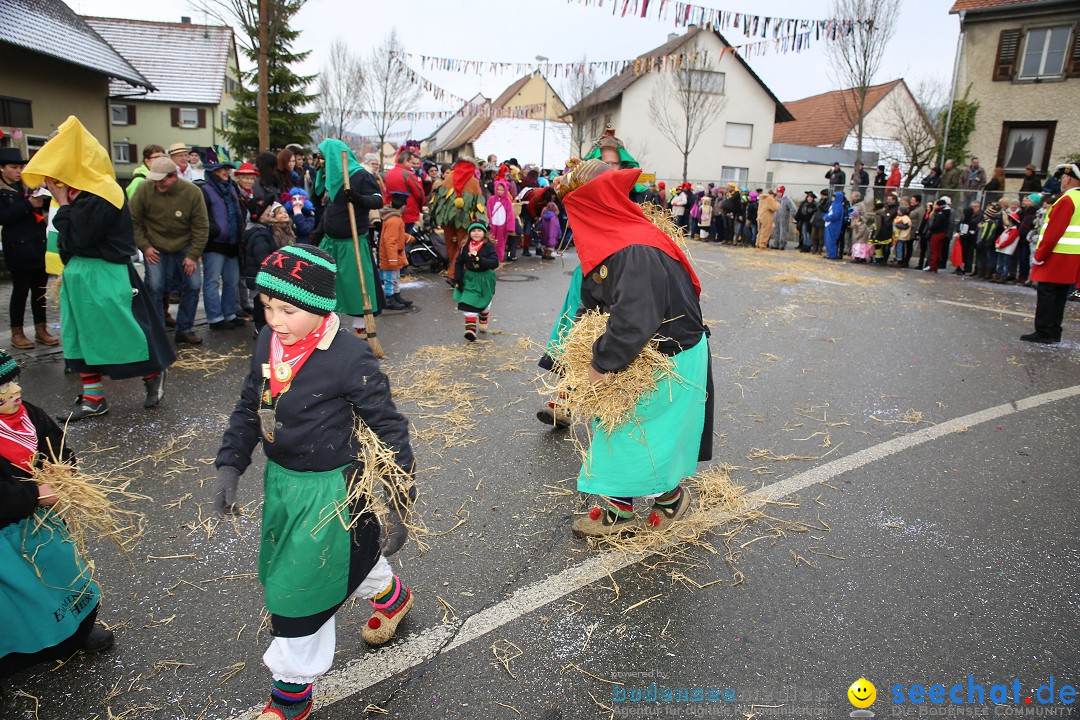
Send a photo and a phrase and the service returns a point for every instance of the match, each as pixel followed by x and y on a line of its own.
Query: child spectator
pixel 270 230
pixel 302 213
pixel 392 241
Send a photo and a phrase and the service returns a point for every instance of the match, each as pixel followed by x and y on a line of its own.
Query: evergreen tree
pixel 287 91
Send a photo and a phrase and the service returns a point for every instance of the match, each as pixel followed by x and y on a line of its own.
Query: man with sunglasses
pixel 171 229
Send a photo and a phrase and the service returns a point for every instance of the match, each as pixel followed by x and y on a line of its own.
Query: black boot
pixel 393 304
pixel 403 301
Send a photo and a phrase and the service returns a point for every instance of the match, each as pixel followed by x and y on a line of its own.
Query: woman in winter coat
pixel 267 185
pixel 940 225
pixel 834 225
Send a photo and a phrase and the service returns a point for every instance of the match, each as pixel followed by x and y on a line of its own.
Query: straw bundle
pixel 661 218
pixel 91 504
pixel 380 472
pixel 611 402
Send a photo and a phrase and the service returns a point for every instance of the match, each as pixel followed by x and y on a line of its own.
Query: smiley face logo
pixel 862 693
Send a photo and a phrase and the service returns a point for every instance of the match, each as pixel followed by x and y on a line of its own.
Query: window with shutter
pixel 1008 49
pixel 174 114
pixel 1072 67
pixel 202 117
pixel 131 114
pixel 133 152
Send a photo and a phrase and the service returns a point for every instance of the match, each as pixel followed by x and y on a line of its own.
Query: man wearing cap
pixel 171 229
pixel 149 154
pixel 178 153
pixel 23 218
pixel 1056 264
pixel 221 258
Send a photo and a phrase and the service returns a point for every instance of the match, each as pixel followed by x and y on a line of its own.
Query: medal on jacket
pixel 283 372
pixel 267 411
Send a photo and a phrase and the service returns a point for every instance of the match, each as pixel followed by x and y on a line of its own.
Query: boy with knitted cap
pixel 308 382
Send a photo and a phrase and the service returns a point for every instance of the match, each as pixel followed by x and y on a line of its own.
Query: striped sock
pixel 484 317
pixel 670 497
pixel 93 389
pixel 620 507
pixel 292 700
pixel 392 598
pixel 470 323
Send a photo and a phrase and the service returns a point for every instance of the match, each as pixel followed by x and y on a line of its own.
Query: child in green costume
pixel 474 277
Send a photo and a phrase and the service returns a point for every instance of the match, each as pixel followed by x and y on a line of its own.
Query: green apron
pixel 478 291
pixel 42 602
pixel 660 448
pixel 350 300
pixel 98 326
pixel 568 313
pixel 304 571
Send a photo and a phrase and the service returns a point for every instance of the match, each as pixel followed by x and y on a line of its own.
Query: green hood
pixel 329 179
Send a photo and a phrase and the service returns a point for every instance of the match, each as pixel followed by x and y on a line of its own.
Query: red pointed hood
pixel 605 220
pixel 463 172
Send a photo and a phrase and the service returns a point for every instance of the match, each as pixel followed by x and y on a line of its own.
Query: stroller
pixel 427 250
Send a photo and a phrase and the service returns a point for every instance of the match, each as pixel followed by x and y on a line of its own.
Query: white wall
pixel 746 102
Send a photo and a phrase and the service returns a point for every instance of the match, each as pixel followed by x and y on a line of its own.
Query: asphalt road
pixel 899 546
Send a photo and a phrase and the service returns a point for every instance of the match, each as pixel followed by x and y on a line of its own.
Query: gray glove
pixel 225 484
pixel 395 534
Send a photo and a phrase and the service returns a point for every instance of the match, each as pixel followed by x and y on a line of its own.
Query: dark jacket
pixel 1031 184
pixel 941 222
pixel 23 229
pixel 880 179
pixel 316 418
pixel 887 215
pixel 836 178
pixel 486 259
pixel 226 214
pixel 92 227
pixel 806 211
pixel 18 498
pixel 258 243
pixel 303 224
pixel 647 293
pixel 823 205
pixel 368 196
pixel 989 232
pixel 933 180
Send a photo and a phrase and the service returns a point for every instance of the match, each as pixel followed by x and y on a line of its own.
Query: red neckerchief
pixel 606 220
pixel 18 438
pixel 291 357
pixel 474 246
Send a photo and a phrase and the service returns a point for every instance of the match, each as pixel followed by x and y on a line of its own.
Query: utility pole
pixel 264 80
pixel 543 136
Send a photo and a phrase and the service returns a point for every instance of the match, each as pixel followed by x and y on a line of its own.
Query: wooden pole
pixel 369 318
pixel 264 78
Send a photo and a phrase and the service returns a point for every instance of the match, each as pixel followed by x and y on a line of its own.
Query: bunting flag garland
pixel 748 24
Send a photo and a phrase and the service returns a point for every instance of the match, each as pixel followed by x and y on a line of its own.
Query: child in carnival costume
pixel 309 383
pixel 639 276
pixel 475 279
pixel 50 603
pixel 456 201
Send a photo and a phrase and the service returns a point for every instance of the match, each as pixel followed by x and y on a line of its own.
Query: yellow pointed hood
pixel 75 158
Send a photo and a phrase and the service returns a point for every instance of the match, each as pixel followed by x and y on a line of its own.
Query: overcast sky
pixel 517 30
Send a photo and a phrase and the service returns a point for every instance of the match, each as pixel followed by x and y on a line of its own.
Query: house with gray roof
pixel 194 72
pixel 56 65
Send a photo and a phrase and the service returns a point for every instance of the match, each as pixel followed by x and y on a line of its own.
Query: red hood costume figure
pixel 642 279
pixel 456 201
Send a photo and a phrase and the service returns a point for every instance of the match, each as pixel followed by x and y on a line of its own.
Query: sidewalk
pixel 42 353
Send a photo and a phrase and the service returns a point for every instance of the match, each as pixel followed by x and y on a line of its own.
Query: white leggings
pixel 302 660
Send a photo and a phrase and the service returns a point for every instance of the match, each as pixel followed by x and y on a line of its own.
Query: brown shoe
pixel 599 523
pixel 41 334
pixel 188 338
pixel 19 341
pixel 170 321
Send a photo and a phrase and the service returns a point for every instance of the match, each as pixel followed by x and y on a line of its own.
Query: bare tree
pixel 578 87
pixel 340 100
pixel 911 123
pixel 855 57
pixel 389 88
pixel 684 103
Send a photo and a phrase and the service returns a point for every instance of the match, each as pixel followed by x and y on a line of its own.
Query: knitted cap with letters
pixel 9 368
pixel 301 275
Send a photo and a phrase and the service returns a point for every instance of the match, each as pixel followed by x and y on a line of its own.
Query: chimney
pixel 690 28
pixel 672 36
pixel 185 20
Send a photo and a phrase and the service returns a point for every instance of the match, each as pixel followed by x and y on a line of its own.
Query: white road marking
pixel 822 280
pixel 1029 316
pixel 420 647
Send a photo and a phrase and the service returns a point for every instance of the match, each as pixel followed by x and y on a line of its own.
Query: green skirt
pixel 42 602
pixel 350 300
pixel 660 448
pixel 304 553
pixel 98 325
pixel 478 291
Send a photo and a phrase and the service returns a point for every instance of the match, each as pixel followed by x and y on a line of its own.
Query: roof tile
pixel 822 120
pixel 185 62
pixel 50 27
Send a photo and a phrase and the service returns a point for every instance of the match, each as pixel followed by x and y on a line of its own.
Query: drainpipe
pixel 952 90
